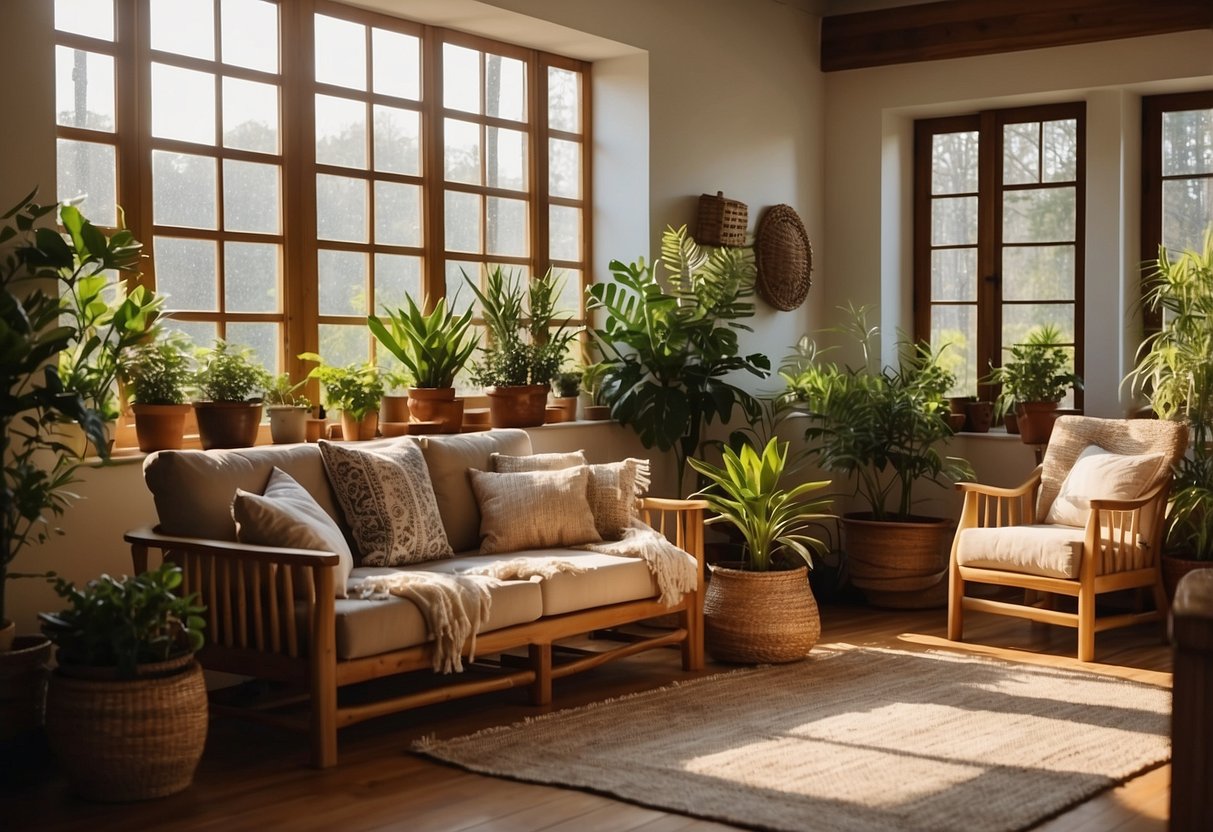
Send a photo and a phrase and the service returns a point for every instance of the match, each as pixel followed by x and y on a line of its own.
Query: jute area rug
pixel 851 739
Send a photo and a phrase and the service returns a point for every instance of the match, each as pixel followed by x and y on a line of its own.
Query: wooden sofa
pixel 273 613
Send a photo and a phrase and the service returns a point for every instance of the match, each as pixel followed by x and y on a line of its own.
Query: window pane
pixel 564 232
pixel 340 52
pixel 183 104
pixel 250 115
pixel 505 158
pixel 954 274
pixel 342 344
pixel 564 168
pixel 397 214
pixel 90 170
pixel 342 282
pixel 183 190
pixel 250 34
pixel 564 100
pixel 186 272
pixel 507 227
pixel 569 302
pixel 954 221
pixel 341 208
pixel 504 87
pixel 461 78
pixel 1038 215
pixel 396 275
pixel 1187 142
pixel 184 27
pixel 94 18
pixel 1020 319
pixel 462 222
pixel 200 333
pixel 250 197
pixel 1021 153
pixel 84 89
pixel 262 338
pixel 251 277
pixel 340 132
pixel 462 151
pixel 956 327
pixel 1187 209
pixel 459 295
pixel 1038 273
pixel 396 60
pixel 397 140
pixel 1060 150
pixel 954 163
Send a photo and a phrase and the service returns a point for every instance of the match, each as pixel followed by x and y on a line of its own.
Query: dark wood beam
pixel 964 28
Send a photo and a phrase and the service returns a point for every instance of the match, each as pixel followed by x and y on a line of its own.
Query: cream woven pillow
pixel 287 515
pixel 1102 475
pixel 533 510
pixel 388 502
pixel 612 492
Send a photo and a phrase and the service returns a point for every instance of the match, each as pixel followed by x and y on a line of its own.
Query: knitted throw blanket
pixel 673 569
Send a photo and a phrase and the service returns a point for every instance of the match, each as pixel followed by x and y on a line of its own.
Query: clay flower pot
pixel 394 408
pixel 523 406
pixel 596 413
pixel 568 404
pixel 288 424
pixel 227 424
pixel 160 427
pixel 355 429
pixel 436 406
pixel 1036 421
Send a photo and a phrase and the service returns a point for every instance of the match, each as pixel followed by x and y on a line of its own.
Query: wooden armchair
pixel 1013 537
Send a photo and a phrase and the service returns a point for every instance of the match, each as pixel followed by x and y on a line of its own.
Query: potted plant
pixel 126 708
pixel 591 382
pixel 567 387
pixel 526 344
pixel 883 427
pixel 1175 369
pixel 156 376
pixel 38 468
pixel 433 348
pixel 762 609
pixel 355 390
pixel 1034 380
pixel 668 354
pixel 288 408
pixel 228 413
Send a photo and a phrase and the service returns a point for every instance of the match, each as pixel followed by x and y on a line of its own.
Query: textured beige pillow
pixel 287 515
pixel 1102 475
pixel 612 492
pixel 533 510
pixel 388 502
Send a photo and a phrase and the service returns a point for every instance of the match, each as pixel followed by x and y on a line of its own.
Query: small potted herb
pixel 228 378
pixel 1034 380
pixel 567 387
pixel 592 378
pixel 156 376
pixel 355 390
pixel 288 409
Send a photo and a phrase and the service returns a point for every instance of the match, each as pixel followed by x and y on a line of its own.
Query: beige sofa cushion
pixel 507 464
pixel 367 628
pixel 533 510
pixel 449 458
pixel 1102 475
pixel 1051 551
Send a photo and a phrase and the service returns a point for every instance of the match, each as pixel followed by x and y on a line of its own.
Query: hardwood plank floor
pixel 255 777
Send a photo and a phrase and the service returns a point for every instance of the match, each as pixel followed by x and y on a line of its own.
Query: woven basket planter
pixel 898 565
pixel 760 617
pixel 132 739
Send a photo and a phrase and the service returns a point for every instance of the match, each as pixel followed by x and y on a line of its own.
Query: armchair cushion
pixel 1053 551
pixel 1102 475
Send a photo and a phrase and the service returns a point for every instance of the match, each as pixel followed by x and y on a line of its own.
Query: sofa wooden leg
pixel 541 663
pixel 1086 626
pixel 692 646
pixel 956 605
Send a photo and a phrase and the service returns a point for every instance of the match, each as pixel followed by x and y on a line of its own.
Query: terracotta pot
pixel 476 417
pixel 596 412
pixel 898 565
pixel 760 617
pixel 436 404
pixel 288 424
pixel 316 429
pixel 956 404
pixel 1012 423
pixel 24 666
pixel 1036 421
pixel 568 404
pixel 979 416
pixel 1174 568
pixel 523 406
pixel 393 428
pixel 357 430
pixel 956 421
pixel 394 408
pixel 227 424
pixel 160 427
pixel 555 414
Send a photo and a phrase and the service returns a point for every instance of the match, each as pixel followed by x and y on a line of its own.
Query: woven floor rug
pixel 851 739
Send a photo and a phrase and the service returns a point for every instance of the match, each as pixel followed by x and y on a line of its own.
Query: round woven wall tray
pixel 784 258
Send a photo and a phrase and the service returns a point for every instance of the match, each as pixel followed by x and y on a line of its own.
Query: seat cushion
pixel 367 628
pixel 1050 551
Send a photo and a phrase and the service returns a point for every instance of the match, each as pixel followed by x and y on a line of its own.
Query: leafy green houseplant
pixel 883 428
pixel 157 376
pixel 288 409
pixel 764 611
pixel 355 390
pixel 1034 380
pixel 228 378
pixel 592 378
pixel 667 353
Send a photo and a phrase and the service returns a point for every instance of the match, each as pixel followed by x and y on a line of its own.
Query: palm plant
pixel 433 347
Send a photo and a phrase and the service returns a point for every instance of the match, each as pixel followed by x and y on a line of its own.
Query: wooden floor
pixel 254 776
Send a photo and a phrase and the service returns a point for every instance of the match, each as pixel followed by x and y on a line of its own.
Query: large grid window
pixel 998 234
pixel 294 166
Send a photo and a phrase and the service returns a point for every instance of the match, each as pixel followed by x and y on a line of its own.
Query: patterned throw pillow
pixel 612 492
pixel 533 510
pixel 287 515
pixel 388 502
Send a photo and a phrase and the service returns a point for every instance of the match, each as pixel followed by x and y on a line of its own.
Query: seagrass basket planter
pixel 129 739
pixel 760 617
pixel 898 565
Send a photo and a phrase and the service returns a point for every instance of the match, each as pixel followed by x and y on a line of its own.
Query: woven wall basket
pixel 721 221
pixel 784 258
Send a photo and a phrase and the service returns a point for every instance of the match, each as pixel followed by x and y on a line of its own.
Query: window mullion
pixel 434 193
pixel 989 240
pixel 300 250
